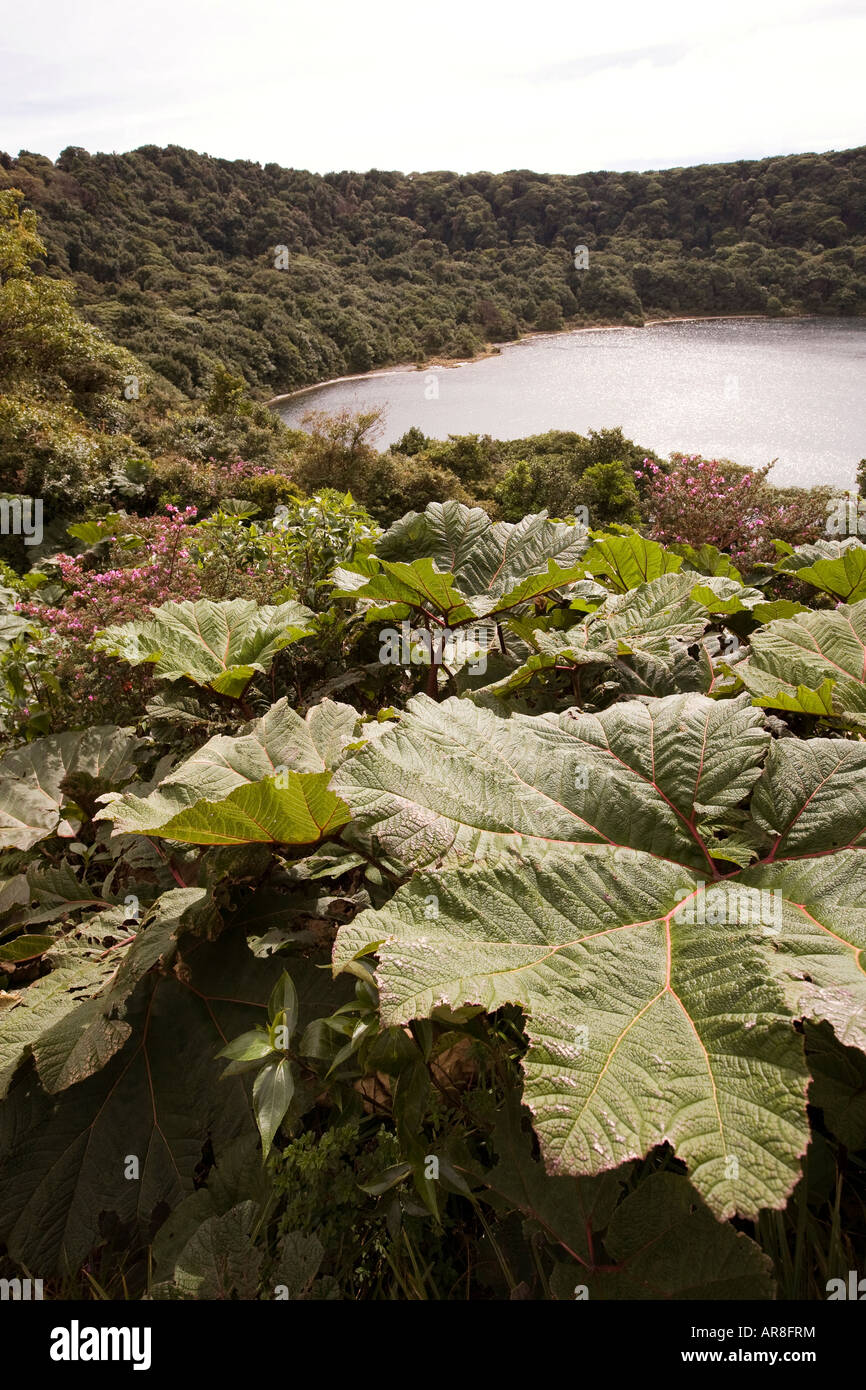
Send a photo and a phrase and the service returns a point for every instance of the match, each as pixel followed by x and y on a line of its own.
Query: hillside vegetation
pixel 174 254
pixel 87 428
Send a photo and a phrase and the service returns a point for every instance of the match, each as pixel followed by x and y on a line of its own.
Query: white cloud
pixel 462 84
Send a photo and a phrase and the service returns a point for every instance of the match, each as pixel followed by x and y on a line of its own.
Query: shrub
pixel 413 442
pixel 338 451
pixel 149 563
pixel 176 481
pixel 318 533
pixel 608 492
pixel 703 501
pixel 472 457
pixel 407 485
pixel 541 484
pixel 549 316
pixel 268 491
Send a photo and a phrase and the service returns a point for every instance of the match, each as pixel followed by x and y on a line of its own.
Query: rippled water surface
pixel 745 389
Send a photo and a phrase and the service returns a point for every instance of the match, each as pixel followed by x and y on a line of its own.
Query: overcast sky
pixel 457 84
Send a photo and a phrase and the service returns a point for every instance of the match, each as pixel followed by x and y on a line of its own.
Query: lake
pixel 744 389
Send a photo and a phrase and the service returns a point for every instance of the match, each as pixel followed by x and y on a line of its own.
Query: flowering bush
pixel 702 501
pixel 157 558
pixel 149 564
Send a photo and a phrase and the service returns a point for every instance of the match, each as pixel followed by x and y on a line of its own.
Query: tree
pixel 61 381
pixel 609 493
pixel 549 316
pixel 227 395
pixel 338 452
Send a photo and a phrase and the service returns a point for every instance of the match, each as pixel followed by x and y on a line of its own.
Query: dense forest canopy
pixel 176 255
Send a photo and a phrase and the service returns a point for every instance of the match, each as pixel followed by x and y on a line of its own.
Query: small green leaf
pixel 387 1179
pixel 283 1004
pixel 26 947
pixel 92 532
pixel 249 1047
pixel 272 1096
pixel 426 1189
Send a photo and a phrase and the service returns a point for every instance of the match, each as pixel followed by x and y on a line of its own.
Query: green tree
pixel 62 403
pixel 338 452
pixel 227 394
pixel 549 316
pixel 609 493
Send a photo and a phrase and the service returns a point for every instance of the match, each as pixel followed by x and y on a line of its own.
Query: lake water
pixel 744 389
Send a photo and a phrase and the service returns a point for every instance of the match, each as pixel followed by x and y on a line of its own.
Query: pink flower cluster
pixel 699 503
pixel 123 593
pixel 95 599
pixel 242 468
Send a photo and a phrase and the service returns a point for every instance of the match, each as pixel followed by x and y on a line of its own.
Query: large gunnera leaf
pixel 268 785
pixel 662 1243
pixel 706 559
pixel 74 1042
pixel 40 783
pixel 628 559
pixel 458 780
pixel 813 663
pixel 220 1260
pixel 294 808
pixel 837 567
pixel 644 634
pixel 660 990
pixel 658 1240
pixel 486 559
pixel 397 589
pixel 78 966
pixel 220 645
pixel 641 1028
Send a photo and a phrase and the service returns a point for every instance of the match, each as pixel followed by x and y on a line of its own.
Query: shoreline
pixel 495 349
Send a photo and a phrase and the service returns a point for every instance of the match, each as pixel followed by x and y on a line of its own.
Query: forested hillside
pixel 174 254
